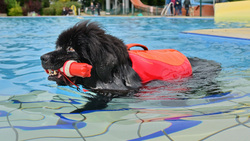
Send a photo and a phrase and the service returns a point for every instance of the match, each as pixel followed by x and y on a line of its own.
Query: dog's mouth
pixel 53 74
pixel 69 72
pixel 59 77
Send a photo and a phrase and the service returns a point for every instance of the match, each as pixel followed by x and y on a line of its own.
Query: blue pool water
pixel 33 108
pixel 24 40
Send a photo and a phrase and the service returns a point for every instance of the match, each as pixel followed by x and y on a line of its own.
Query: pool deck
pixel 237 33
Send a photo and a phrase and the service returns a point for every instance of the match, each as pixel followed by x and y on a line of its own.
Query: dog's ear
pixel 105 52
pixel 97 48
pixel 103 64
pixel 105 67
pixel 85 55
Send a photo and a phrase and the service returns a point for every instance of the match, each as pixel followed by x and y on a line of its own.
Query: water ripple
pixel 24 40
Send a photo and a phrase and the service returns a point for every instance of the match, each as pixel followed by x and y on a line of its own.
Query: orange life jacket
pixel 164 64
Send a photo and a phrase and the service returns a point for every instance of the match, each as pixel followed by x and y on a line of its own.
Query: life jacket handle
pixel 135 44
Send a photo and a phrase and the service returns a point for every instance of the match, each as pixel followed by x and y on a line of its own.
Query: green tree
pixel 16 10
pixel 45 3
pixel 10 3
pixel 64 0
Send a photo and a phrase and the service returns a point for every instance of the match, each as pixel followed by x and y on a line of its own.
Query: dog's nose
pixel 44 58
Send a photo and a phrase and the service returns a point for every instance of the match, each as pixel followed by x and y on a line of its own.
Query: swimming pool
pixel 33 108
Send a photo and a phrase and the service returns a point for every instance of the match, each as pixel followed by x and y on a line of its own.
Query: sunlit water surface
pixel 24 40
pixel 33 108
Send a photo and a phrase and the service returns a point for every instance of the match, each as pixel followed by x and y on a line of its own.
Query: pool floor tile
pixel 237 133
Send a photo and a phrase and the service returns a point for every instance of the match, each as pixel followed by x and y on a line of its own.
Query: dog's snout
pixel 45 58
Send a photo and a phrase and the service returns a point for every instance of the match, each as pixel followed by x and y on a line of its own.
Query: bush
pixel 49 11
pixel 58 6
pixel 10 4
pixel 16 10
pixel 45 3
pixel 64 0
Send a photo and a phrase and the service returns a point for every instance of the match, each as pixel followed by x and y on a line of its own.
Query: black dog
pixel 112 74
pixel 86 42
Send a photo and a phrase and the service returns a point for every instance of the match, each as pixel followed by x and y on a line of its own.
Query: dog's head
pixel 87 43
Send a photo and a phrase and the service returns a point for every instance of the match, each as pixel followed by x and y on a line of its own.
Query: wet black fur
pixel 112 71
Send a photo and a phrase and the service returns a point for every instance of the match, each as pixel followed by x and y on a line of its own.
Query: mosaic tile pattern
pixel 44 116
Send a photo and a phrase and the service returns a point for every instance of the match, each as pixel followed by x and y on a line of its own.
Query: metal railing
pixel 165 10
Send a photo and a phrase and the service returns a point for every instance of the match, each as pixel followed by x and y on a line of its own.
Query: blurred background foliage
pixel 54 7
pixel 40 7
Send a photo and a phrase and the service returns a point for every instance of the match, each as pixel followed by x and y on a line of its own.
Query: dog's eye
pixel 70 49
